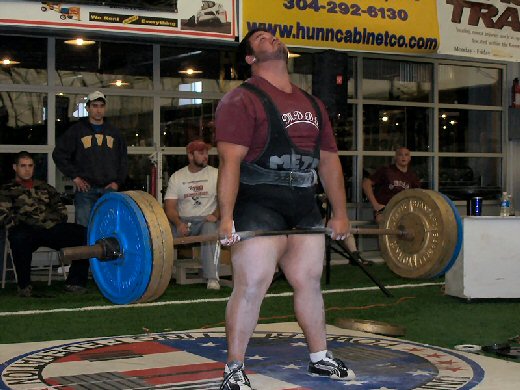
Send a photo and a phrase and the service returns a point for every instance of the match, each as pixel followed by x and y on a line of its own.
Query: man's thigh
pixel 254 261
pixel 304 257
pixel 25 237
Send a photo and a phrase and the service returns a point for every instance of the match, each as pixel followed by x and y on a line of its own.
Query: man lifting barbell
pixel 272 138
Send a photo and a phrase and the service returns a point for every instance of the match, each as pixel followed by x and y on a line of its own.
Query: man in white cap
pixel 190 204
pixel 94 155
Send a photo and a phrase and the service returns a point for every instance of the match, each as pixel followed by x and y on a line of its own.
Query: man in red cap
pixel 190 204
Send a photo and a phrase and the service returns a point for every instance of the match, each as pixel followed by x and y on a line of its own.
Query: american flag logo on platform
pixel 275 361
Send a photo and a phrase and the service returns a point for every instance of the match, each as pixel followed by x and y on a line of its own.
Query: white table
pixel 489 263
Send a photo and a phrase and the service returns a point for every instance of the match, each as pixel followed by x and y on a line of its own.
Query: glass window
pixel 347 163
pixel 7 161
pixel 183 120
pixel 139 173
pixel 209 70
pixel 470 131
pixel 388 127
pixel 69 108
pixel 351 72
pixel 470 85
pixel 104 65
pixel 344 130
pixel 28 60
pixel 397 80
pixel 300 66
pixel 132 115
pixel 23 118
pixel 462 178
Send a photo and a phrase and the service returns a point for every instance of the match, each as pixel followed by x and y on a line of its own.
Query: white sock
pixel 317 356
pixel 234 363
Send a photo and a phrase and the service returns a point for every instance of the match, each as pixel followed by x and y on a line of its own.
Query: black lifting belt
pixel 253 174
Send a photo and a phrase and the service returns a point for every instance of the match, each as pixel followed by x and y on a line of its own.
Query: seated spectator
pixel 190 204
pixel 35 216
pixel 388 181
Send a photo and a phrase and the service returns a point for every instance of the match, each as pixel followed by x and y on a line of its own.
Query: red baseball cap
pixel 197 145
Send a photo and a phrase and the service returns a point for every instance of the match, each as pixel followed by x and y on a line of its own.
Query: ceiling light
pixel 7 62
pixel 190 71
pixel 119 83
pixel 294 55
pixel 80 42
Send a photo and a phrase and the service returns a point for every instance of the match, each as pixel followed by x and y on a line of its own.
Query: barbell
pixel 131 247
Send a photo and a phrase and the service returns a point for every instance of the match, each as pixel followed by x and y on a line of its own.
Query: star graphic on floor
pixel 419 372
pixel 210 344
pixel 291 367
pixel 256 357
pixel 354 383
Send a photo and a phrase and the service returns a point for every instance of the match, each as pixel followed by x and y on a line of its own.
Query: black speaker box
pixel 330 81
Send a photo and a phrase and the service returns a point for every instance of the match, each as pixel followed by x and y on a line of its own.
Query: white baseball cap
pixel 95 96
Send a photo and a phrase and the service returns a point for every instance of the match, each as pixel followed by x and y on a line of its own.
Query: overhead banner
pixel 186 18
pixel 482 29
pixel 395 26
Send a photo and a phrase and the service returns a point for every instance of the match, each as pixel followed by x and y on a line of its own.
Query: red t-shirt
pixel 241 119
pixel 390 180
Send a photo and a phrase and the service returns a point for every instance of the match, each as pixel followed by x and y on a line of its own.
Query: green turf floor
pixel 428 315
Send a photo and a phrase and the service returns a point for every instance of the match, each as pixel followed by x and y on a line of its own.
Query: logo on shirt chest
pixel 399 184
pixel 297 117
pixel 98 139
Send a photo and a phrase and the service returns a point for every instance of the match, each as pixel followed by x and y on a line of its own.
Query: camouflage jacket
pixel 38 206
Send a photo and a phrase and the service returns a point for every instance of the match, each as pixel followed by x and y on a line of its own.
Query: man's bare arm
pixel 331 175
pixel 231 155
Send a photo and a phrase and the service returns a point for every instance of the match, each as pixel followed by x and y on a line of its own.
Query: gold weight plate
pixel 430 218
pixel 162 244
pixel 450 235
pixel 369 326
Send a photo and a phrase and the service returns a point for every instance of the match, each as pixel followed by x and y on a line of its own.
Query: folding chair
pixel 47 260
pixel 8 264
pixel 44 259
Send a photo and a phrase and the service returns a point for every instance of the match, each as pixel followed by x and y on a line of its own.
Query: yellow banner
pixel 404 26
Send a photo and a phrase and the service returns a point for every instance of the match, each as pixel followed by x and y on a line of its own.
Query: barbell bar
pixel 131 245
pixel 108 248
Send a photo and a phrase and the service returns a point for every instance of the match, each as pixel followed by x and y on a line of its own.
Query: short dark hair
pixel 244 49
pixel 23 154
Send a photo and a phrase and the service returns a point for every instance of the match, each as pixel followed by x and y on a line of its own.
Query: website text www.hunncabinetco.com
pixel 354 36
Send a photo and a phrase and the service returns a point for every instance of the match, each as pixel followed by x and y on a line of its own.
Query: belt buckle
pixel 291 179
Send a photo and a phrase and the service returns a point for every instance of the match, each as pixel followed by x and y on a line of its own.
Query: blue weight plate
pixel 125 279
pixel 458 245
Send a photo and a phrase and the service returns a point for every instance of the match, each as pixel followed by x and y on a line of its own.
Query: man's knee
pixel 301 280
pixel 253 283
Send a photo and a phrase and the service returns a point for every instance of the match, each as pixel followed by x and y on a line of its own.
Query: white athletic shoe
pixel 213 284
pixel 235 377
pixel 332 368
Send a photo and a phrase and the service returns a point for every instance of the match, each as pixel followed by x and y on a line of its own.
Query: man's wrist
pixel 380 211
